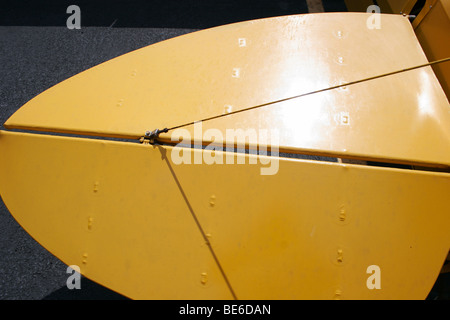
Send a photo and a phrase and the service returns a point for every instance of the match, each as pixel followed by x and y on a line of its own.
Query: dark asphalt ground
pixel 37 51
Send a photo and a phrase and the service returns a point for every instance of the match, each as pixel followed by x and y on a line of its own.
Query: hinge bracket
pixel 151 136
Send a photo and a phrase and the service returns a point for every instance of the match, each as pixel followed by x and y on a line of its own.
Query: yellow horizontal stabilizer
pixel 403 118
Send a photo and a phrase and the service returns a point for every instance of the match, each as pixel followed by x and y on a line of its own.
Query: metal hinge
pixel 150 136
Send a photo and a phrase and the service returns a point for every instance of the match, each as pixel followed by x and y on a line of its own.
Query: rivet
pixel 227 109
pixel 343 86
pixel 90 220
pixel 212 201
pixel 342 215
pixel 85 255
pixel 242 42
pixel 96 186
pixel 337 294
pixel 340 257
pixel 204 278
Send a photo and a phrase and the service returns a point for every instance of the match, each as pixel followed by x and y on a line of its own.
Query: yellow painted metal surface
pixel 134 221
pixel 433 31
pixel 111 209
pixel 432 27
pixel 429 4
pixel 211 72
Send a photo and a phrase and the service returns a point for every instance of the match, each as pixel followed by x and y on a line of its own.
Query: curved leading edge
pixel 403 118
pixel 133 221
